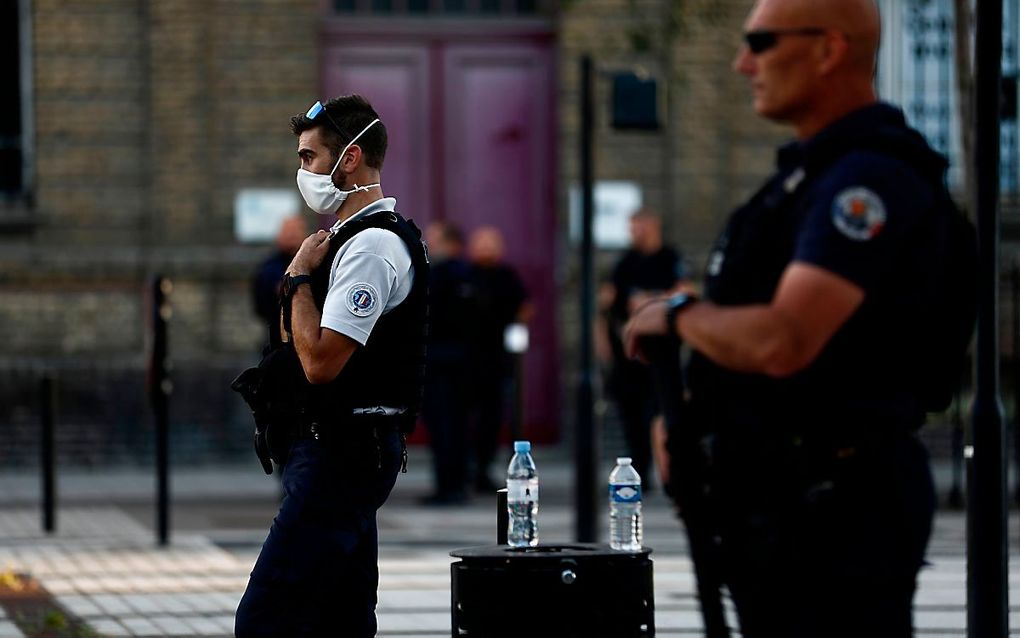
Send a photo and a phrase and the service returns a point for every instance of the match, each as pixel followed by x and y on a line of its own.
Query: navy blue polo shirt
pixel 859 200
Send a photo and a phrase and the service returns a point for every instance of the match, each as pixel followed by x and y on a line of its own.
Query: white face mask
pixel 319 191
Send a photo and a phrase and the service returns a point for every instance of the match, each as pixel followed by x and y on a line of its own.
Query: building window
pixel 444 8
pixel 917 71
pixel 15 105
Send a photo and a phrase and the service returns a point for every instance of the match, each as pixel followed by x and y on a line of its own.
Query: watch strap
pixel 290 286
pixel 676 304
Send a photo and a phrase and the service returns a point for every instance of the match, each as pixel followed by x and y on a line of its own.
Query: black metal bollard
pixel 160 388
pixel 48 400
pixel 956 490
pixel 1015 368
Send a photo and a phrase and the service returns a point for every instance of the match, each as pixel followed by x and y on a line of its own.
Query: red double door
pixel 472 140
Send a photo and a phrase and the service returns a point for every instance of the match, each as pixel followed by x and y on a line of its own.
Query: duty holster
pixel 247 384
pixel 277 405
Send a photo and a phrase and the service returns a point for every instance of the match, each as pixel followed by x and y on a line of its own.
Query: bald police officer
pixel 812 347
pixel 343 384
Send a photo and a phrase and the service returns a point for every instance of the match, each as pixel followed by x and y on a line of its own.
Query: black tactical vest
pixel 388 371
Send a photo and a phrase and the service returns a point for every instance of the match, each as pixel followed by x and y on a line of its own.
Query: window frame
pixel 436 12
pixel 893 85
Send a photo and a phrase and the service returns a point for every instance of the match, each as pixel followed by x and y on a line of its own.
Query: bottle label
pixel 625 493
pixel 521 491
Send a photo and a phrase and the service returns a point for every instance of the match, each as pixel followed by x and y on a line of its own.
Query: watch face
pixel 678 300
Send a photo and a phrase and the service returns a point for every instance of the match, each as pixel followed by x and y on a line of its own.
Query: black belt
pixel 319 431
pixel 377 425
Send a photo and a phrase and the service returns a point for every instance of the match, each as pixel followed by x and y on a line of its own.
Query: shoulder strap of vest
pixel 392 221
pixel 388 220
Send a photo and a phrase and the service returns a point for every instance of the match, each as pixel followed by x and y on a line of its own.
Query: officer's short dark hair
pixel 348 115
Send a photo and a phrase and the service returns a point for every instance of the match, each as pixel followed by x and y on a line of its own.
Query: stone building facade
pixel 146 117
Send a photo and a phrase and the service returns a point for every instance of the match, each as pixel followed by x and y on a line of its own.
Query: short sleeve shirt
pixel 371 275
pixel 860 215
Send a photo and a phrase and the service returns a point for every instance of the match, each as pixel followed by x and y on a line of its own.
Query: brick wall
pixel 150 115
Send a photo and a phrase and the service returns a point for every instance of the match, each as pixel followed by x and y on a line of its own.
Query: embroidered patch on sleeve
pixel 362 299
pixel 858 213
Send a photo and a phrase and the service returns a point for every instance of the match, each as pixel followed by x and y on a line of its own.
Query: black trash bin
pixel 580 590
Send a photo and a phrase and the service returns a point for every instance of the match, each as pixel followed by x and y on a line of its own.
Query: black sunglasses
pixel 762 40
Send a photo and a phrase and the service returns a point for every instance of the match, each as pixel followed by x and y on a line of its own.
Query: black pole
pixel 987 569
pixel 586 444
pixel 502 518
pixel 517 424
pixel 956 490
pixel 48 398
pixel 159 391
pixel 1015 367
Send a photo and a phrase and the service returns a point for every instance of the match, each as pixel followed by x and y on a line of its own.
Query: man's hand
pixel 313 250
pixel 648 321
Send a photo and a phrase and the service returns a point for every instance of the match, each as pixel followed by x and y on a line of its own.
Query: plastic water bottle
pixel 625 526
pixel 522 497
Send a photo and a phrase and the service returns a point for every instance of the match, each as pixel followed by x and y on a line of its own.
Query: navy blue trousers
pixel 842 561
pixel 318 573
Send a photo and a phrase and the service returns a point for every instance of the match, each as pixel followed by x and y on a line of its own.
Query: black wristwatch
pixel 287 290
pixel 676 304
pixel 290 285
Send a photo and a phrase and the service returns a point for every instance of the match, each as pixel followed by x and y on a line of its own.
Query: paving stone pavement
pixel 104 568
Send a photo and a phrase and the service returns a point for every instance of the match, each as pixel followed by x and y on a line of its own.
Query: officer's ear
pixel 351 159
pixel 835 48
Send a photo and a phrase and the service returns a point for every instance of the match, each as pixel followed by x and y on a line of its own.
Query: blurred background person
pixel 451 321
pixel 500 300
pixel 647 269
pixel 266 282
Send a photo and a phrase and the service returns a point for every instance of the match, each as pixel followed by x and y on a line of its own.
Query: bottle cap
pixel 521 447
pixel 623 460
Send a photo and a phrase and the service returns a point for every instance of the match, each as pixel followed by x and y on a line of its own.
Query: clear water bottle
pixel 522 497
pixel 625 526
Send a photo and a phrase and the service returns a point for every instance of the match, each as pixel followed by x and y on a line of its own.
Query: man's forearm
pixel 323 353
pixel 304 324
pixel 754 339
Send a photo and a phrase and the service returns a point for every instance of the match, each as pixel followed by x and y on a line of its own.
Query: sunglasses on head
pixel 761 40
pixel 318 109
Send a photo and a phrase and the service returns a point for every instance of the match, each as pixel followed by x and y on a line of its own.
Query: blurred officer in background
pixel 266 283
pixel 831 323
pixel 447 369
pixel 500 300
pixel 647 269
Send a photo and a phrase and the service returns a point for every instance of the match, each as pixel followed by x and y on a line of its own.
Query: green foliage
pixel 51 622
pixel 55 620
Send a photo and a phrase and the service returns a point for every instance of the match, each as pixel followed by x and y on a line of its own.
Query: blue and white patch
pixel 362 299
pixel 858 213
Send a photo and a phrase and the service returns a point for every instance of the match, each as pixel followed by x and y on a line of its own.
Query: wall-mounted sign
pixel 615 202
pixel 258 212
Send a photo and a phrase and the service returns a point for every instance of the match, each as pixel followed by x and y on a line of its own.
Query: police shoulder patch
pixel 858 213
pixel 362 299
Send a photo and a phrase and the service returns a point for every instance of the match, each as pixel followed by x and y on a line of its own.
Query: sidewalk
pixel 103 566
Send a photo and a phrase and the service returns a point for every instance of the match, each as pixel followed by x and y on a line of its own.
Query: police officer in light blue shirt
pixel 823 339
pixel 348 373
